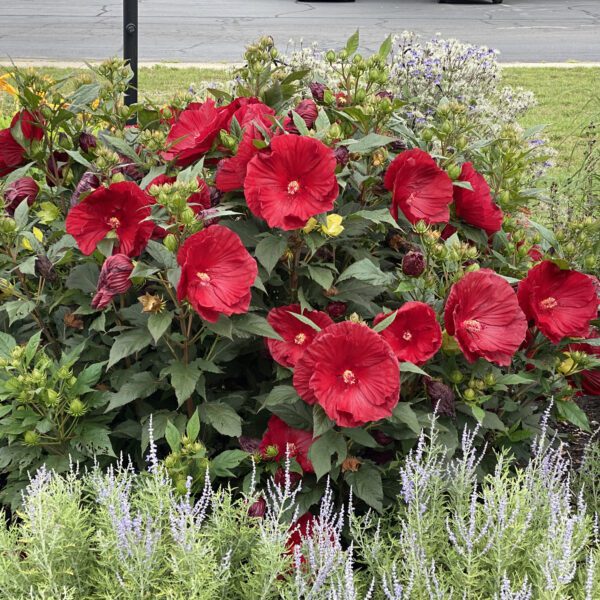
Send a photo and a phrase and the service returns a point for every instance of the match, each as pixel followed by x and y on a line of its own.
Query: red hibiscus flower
pixel 246 111
pixel 352 372
pixel 483 314
pixel 414 334
pixel 113 280
pixel 299 531
pixel 293 181
pixel 12 155
pixel 193 133
pixel 476 206
pixel 590 379
pixel 231 172
pixel 420 189
pixel 296 334
pixel 281 438
pixel 216 273
pixel 120 208
pixel 561 302
pixel 30 124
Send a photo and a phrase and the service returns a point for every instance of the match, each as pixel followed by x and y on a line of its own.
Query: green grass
pixel 568 99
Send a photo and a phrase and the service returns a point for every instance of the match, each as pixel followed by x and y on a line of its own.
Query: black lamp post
pixel 130 47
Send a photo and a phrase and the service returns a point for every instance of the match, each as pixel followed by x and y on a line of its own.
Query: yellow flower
pixel 333 225
pixel 39 236
pixel 310 225
pixel 567 366
pixel 5 86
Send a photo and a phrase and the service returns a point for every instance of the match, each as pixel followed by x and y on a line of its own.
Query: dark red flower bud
pixel 248 444
pixel 317 90
pixel 44 268
pixel 398 146
pixel 336 309
pixel 55 165
pixel 381 438
pixel 258 508
pixel 24 188
pixel 87 141
pixel 87 183
pixel 342 155
pixel 279 478
pixel 441 396
pixel 396 241
pixel 129 169
pixel 113 280
pixel 308 112
pixel 413 263
pixel 215 196
pixel 385 94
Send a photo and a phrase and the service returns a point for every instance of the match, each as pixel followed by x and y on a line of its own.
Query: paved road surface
pixel 212 31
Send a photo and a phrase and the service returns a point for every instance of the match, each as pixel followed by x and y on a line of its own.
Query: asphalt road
pixel 213 31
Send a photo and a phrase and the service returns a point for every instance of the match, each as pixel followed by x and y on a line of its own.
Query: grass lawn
pixel 568 99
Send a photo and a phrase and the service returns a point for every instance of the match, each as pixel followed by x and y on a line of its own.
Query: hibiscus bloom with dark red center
pixel 420 189
pixel 293 181
pixel 193 133
pixel 216 273
pixel 483 314
pixel 561 302
pixel 590 379
pixel 281 440
pixel 414 334
pixel 122 208
pixel 352 372
pixel 296 334
pixel 476 206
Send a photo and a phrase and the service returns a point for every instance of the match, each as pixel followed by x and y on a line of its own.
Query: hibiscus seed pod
pixel 87 141
pixel 317 90
pixel 258 509
pixel 342 155
pixel 336 309
pixel 441 396
pixel 24 188
pixel 44 268
pixel 413 264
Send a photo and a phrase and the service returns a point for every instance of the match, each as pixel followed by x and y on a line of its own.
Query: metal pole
pixel 130 47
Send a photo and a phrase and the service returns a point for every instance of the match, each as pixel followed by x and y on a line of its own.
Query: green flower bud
pixel 427 134
pixel 330 56
pixel 52 397
pixel 188 216
pixel 456 376
pixel 469 394
pixel 472 268
pixel 181 486
pixel 420 227
pixel 170 461
pixel 77 408
pixel 31 438
pixel 271 452
pixel 64 373
pixel 170 242
pixel 590 262
pixel 453 172
pixel 490 379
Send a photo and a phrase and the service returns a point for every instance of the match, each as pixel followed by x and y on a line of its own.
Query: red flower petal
pixel 287 439
pixel 483 314
pixel 414 334
pixel 292 182
pixel 420 189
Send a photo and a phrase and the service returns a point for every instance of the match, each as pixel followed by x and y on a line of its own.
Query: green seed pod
pixel 170 242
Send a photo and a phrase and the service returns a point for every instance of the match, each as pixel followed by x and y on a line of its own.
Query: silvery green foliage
pixel 520 534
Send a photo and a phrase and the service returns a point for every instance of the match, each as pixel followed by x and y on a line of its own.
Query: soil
pixel 576 439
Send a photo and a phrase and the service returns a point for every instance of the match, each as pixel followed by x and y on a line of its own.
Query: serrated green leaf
pixel 366 270
pixel 360 436
pixel 386 47
pixel 322 450
pixel 352 43
pixel 165 258
pixel 222 417
pixel 321 422
pixel 173 437
pixel 321 275
pixel 367 485
pixel 514 379
pixel 269 250
pixel 221 465
pixel 193 426
pixel 379 215
pixel 127 344
pixel 253 323
pixel 7 343
pixel 408 367
pixel 574 414
pixel 158 324
pixel 183 379
pixel 368 143
pixel 281 394
pixel 403 413
pixel 139 385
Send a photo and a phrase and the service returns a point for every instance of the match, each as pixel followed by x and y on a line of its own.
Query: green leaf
pixel 492 421
pixel 367 485
pixel 32 346
pixel 321 422
pixel 127 344
pixel 297 415
pixel 193 426
pixel 18 309
pixel 257 325
pixel 321 275
pixel 304 319
pixel 574 414
pixel 165 258
pixel 21 214
pixel 173 437
pixel 368 143
pixel 360 436
pixel 408 367
pixel 366 270
pixel 386 47
pixel 87 378
pixel 183 379
pixel 158 324
pixel 379 215
pixel 223 327
pixel 299 123
pixel 84 277
pixel 120 146
pixel 222 417
pixel 281 394
pixel 322 123
pixel 403 413
pixel 269 250
pixel 138 385
pixel 514 379
pixel 477 412
pixel 386 322
pixel 221 465
pixel 322 450
pixel 84 95
pixel 7 343
pixel 352 43
pixel 95 440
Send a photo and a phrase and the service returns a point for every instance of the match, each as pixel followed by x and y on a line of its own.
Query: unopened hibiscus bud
pixel 228 140
pixel 188 216
pixel 413 264
pixel 317 90
pixel 77 408
pixel 469 394
pixel 355 318
pixel 330 56
pixel 87 141
pixel 52 397
pixel 87 183
pixel 215 196
pixel 311 224
pixel 449 344
pixel 55 166
pixel 336 309
pixel 454 171
pixel 31 438
pixel 113 280
pixel 248 444
pixel 441 396
pixel 308 110
pixel 383 439
pixel 342 155
pixel 567 366
pixel 490 379
pixel 421 227
pixel 258 508
pixel 270 452
pixel 590 261
pixel 170 242
pixel 456 376
pixel 8 225
pixel 472 268
pixel 24 188
pixel 44 268
pixel 379 157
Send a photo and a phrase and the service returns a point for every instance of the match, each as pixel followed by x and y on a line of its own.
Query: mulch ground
pixel 578 440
